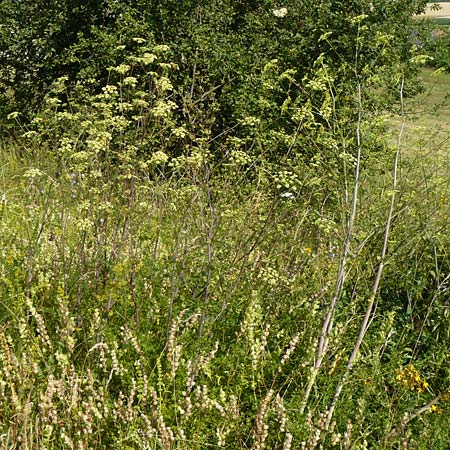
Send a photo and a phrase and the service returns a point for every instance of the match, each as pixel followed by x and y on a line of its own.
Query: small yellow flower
pixel 410 378
pixel 435 409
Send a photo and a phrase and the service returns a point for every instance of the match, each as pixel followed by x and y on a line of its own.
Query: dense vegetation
pixel 211 235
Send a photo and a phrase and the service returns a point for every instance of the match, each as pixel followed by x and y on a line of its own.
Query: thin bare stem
pixel 365 323
pixel 412 415
pixel 209 229
pixel 131 253
pixel 327 325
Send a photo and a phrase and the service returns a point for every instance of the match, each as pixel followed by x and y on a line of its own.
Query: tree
pixel 221 47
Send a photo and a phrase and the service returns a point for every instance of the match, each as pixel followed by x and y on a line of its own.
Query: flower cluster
pixel 410 378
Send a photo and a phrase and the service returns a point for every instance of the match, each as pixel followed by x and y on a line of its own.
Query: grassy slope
pixel 431 109
pixel 427 116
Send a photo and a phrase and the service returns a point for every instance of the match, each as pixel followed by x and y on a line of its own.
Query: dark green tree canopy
pixel 221 47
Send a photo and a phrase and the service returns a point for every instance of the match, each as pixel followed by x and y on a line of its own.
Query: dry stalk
pixel 412 415
pixel 371 305
pixel 327 325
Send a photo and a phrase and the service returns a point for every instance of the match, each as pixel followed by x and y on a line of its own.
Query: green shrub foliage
pixel 221 47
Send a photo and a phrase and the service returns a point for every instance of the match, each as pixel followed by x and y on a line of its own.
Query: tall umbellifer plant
pixel 125 128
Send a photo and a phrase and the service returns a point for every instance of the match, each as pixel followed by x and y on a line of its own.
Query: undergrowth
pixel 154 296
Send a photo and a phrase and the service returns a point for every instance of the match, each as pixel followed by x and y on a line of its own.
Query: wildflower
pixel 122 69
pixel 292 345
pixel 159 157
pixel 410 378
pixel 161 48
pixel 287 441
pixel 435 409
pixel 32 173
pixel 282 12
pixel 130 81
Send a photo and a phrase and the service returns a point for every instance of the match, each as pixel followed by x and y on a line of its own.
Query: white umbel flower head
pixel 281 12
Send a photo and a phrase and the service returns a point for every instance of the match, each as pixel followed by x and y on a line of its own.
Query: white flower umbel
pixel 281 12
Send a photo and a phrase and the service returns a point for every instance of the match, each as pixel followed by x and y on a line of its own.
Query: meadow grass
pixel 186 311
pixel 427 115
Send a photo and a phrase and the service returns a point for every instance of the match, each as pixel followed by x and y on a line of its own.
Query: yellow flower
pixel 410 378
pixel 435 409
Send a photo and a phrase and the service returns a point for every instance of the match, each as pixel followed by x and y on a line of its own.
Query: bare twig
pixel 209 229
pixel 365 323
pixel 412 415
pixel 327 325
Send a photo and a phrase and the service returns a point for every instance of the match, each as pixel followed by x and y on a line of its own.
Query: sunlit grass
pixel 427 117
